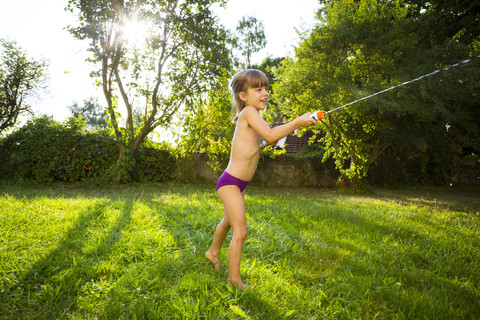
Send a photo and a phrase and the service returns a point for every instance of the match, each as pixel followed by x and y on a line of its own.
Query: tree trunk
pixel 118 178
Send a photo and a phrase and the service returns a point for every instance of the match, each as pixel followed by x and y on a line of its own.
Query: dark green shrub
pixel 44 150
pixel 153 162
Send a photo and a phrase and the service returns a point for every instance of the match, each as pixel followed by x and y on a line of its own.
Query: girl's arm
pixel 270 135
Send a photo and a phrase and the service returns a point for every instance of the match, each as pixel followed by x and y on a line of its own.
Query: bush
pixel 45 151
pixel 153 162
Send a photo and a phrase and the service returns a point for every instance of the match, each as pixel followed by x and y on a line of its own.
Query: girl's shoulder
pixel 247 115
pixel 249 112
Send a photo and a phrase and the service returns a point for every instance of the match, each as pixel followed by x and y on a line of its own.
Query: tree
pixel 209 130
pixel 362 47
pixel 335 63
pixel 20 78
pixel 182 54
pixel 250 38
pixel 92 112
pixel 269 65
pixel 449 19
pixel 434 140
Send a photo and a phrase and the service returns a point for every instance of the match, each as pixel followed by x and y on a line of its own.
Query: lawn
pixel 137 252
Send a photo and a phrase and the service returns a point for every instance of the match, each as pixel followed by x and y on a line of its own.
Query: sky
pixel 39 27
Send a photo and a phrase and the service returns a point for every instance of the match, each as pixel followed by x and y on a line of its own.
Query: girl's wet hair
pixel 243 81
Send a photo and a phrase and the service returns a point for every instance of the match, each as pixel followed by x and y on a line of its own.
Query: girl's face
pixel 255 97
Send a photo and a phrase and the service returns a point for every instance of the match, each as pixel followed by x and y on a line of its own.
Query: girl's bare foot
pixel 214 259
pixel 238 285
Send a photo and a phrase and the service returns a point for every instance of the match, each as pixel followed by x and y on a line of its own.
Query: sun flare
pixel 134 31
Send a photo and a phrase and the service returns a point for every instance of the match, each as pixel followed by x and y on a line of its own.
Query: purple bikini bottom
pixel 227 179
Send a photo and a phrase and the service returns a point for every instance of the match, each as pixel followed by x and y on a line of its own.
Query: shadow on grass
pixel 54 282
pixel 362 270
pixel 75 279
pixel 193 285
pixel 459 197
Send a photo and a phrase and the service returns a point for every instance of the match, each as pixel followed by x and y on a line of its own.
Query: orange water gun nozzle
pixel 317 115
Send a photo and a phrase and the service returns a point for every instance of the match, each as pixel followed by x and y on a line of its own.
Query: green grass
pixel 137 252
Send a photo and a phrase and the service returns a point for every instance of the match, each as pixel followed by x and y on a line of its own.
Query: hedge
pixel 44 150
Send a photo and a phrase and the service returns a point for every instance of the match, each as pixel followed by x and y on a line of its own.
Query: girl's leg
pixel 220 233
pixel 233 202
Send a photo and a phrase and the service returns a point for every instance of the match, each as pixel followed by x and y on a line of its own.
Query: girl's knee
pixel 224 224
pixel 240 235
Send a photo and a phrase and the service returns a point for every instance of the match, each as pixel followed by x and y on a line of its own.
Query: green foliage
pixel 44 150
pixel 124 164
pixel 250 38
pixel 269 66
pixel 92 113
pixel 20 78
pixel 182 55
pixel 363 47
pixel 209 129
pixel 154 162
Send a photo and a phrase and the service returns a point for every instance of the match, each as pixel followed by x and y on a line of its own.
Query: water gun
pixel 317 115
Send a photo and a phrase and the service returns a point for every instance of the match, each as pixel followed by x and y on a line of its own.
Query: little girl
pixel 250 89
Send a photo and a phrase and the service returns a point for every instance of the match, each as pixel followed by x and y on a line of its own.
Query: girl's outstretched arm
pixel 271 135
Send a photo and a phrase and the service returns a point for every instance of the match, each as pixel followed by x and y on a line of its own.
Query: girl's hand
pixel 306 120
